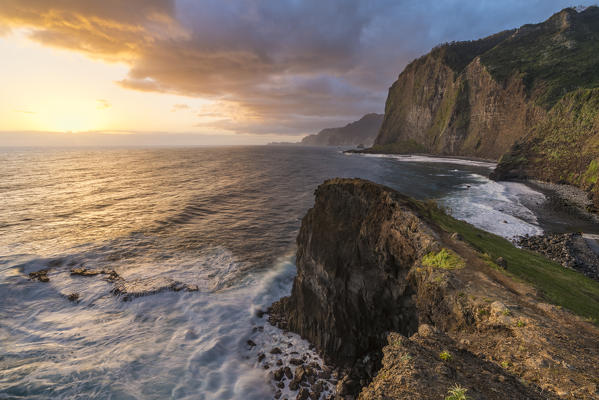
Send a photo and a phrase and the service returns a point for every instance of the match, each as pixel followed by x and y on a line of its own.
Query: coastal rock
pixel 568 249
pixel 147 286
pixel 497 98
pixel 41 275
pixel 355 251
pixel 404 311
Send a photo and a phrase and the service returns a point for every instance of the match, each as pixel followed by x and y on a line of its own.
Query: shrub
pixel 445 355
pixel 445 259
pixel 456 392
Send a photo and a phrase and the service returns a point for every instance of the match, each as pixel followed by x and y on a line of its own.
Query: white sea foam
pixel 169 345
pixel 429 159
pixel 496 207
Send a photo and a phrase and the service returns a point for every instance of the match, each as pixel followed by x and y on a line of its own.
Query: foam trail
pixel 495 207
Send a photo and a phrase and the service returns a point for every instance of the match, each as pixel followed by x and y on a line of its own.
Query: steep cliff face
pixel 361 132
pixel 356 248
pixel 563 148
pixel 386 278
pixel 477 98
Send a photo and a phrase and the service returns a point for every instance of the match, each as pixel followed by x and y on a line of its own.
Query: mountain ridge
pixel 361 132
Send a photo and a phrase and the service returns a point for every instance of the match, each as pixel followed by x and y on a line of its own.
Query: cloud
pixel 179 107
pixel 288 65
pixel 103 104
pixel 25 112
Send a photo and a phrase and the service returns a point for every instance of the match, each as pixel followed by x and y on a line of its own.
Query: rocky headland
pixel 410 303
pixel 358 133
pixel 527 97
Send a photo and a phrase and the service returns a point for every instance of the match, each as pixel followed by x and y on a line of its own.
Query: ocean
pixel 221 218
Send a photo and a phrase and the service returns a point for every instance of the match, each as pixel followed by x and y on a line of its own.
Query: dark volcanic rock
pixel 147 286
pixel 41 275
pixel 568 249
pixel 355 249
pixel 397 325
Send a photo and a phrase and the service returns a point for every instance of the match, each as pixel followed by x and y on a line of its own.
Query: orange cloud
pixel 103 104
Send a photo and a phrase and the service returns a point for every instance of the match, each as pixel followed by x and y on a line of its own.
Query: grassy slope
pixel 563 148
pixel 552 58
pixel 560 286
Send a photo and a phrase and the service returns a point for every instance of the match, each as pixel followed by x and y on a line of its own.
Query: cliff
pixel 563 148
pixel 361 132
pixel 410 303
pixel 478 98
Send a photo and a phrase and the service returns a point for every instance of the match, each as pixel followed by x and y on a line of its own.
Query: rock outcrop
pixel 361 132
pixel 571 250
pixel 409 309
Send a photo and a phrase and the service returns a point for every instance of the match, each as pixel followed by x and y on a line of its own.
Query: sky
pixel 218 71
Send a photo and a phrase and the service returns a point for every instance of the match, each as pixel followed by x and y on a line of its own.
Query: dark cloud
pixel 288 64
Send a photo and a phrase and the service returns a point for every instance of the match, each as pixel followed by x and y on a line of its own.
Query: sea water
pixel 224 219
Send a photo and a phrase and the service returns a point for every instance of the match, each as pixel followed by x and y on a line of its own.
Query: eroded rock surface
pixel 375 297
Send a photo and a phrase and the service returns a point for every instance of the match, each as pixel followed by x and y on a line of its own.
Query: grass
pixel 558 285
pixel 444 259
pixel 550 60
pixel 456 392
pixel 445 355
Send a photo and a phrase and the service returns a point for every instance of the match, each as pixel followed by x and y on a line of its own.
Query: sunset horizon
pixel 299 200
pixel 248 70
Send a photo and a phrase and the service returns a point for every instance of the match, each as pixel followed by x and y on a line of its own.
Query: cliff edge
pixel 411 303
pixel 527 96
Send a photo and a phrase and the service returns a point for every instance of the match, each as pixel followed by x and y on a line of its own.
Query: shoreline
pixel 448 156
pixel 565 208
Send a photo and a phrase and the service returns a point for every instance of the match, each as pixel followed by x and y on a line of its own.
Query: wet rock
pixel 276 350
pixel 279 362
pixel 294 385
pixel 278 394
pixel 74 297
pixel 261 357
pixel 81 271
pixel 288 372
pixel 145 286
pixel 279 373
pixel 303 394
pixel 251 343
pixel 296 361
pixel 41 275
pixel 347 386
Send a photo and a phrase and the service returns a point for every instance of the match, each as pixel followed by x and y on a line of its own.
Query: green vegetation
pixel 560 286
pixel 444 259
pixel 564 147
pixel 552 58
pixel 457 392
pixel 445 355
pixel 520 324
pixel 405 146
pixel 592 173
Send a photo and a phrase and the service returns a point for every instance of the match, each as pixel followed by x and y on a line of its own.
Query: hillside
pixel 409 302
pixel 361 132
pixel 531 88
